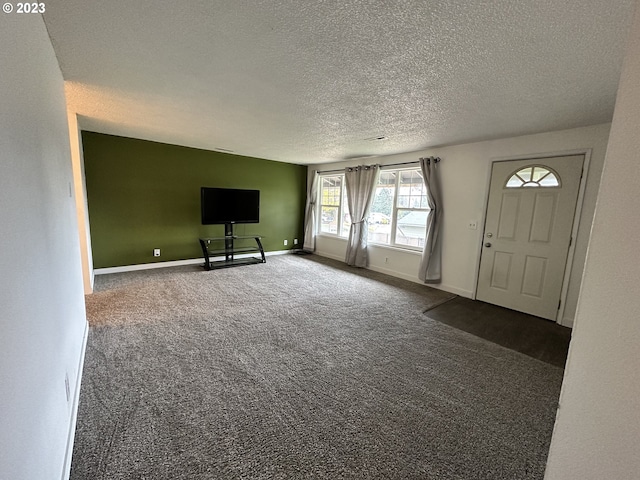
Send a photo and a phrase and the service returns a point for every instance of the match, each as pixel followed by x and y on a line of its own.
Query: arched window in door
pixel 534 176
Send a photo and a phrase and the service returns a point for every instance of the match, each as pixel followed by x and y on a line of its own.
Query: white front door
pixel 527 233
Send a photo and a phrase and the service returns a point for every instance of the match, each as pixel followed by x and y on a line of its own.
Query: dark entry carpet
pixel 533 336
pixel 299 368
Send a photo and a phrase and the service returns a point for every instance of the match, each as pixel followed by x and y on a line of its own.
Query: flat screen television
pixel 229 205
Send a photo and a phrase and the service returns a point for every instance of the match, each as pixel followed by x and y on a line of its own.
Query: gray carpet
pixel 299 368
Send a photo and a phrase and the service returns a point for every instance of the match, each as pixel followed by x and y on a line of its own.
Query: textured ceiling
pixel 318 81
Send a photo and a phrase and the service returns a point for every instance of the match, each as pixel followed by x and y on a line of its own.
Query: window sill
pixel 329 235
pixel 395 248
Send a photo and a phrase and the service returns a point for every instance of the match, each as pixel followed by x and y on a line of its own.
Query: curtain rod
pixel 436 159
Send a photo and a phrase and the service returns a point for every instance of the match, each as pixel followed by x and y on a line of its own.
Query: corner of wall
pixel 80 194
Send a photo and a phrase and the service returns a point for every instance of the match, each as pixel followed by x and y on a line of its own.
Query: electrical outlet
pixel 295 241
pixel 286 242
pixel 156 252
pixel 472 225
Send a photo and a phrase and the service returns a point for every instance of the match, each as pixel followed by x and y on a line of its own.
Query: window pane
pixel 381 210
pixel 525 174
pixel 514 182
pixel 415 201
pixel 411 227
pixel 538 173
pixel 387 178
pixel 329 220
pixel 403 200
pixel 331 190
pixel 550 181
pixel 331 198
pixel 411 190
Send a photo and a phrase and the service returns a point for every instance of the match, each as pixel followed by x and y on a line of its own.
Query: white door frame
pixel 576 218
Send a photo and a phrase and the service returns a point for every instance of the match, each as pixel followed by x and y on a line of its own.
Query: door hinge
pixel 559 303
pixel 570 240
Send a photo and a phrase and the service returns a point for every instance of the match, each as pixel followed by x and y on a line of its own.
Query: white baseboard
pixel 147 266
pixel 394 273
pixel 567 322
pixel 411 278
pixel 328 255
pixel 196 261
pixel 454 290
pixel 66 467
pixel 174 263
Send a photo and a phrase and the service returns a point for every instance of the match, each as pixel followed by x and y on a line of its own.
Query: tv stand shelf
pixel 228 247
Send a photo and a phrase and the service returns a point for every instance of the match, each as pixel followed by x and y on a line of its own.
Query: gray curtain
pixel 360 183
pixel 310 213
pixel 430 265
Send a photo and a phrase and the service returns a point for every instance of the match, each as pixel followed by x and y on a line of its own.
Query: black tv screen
pixel 229 205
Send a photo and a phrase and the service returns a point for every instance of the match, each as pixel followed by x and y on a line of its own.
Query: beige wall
pixel 465 171
pixel 598 425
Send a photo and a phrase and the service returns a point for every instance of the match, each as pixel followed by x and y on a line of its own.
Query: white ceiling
pixel 307 81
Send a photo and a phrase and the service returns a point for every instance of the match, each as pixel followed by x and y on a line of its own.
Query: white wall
pixel 465 173
pixel 80 193
pixel 42 319
pixel 598 425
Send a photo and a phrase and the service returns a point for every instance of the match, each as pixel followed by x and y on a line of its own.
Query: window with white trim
pixel 399 211
pixel 334 210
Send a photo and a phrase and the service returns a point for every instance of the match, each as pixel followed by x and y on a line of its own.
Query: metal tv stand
pixel 228 247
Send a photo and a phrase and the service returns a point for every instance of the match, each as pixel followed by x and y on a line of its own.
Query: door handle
pixel 487 244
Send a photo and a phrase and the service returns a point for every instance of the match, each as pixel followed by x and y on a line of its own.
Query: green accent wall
pixel 144 195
